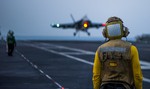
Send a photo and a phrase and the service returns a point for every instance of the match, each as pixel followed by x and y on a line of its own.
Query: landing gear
pixel 88 33
pixel 74 33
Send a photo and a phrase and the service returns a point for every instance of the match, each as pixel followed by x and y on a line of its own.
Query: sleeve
pixel 137 73
pixel 96 72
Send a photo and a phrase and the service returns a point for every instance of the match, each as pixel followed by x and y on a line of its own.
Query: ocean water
pixel 57 38
pixel 63 38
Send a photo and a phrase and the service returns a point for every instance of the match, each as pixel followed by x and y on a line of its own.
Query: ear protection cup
pixel 104 32
pixel 125 32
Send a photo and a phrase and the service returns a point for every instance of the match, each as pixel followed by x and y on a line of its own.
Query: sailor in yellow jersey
pixel 116 63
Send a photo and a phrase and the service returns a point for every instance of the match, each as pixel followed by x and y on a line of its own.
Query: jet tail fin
pixel 72 18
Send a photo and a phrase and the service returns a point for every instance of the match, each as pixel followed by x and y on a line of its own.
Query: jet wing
pixel 70 25
pixel 97 25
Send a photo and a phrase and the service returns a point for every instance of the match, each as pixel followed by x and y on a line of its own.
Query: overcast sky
pixel 33 17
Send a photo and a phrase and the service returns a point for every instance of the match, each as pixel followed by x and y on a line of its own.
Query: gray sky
pixel 33 17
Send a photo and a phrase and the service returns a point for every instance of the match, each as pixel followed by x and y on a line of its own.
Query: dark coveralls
pixel 11 43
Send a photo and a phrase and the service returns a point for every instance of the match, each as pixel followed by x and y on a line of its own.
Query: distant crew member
pixel 11 42
pixel 0 36
pixel 116 63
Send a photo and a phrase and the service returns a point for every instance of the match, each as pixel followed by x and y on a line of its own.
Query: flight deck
pixel 56 65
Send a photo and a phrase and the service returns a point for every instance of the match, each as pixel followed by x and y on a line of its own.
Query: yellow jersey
pixel 137 73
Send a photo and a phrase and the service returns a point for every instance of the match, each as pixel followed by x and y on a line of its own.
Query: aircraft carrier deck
pixel 56 65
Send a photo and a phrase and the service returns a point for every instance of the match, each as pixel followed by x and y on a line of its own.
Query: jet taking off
pixel 82 25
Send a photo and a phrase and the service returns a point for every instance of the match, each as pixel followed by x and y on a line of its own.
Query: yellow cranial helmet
pixel 115 29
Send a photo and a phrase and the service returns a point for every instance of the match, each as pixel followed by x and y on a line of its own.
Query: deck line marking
pixel 35 66
pixel 79 59
pixel 144 65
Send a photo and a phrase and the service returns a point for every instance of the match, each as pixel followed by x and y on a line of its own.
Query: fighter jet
pixel 82 25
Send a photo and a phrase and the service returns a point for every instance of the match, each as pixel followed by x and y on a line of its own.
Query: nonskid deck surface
pixel 56 65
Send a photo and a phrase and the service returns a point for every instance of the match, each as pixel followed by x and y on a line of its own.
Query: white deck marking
pixel 144 65
pixel 36 67
pixel 146 79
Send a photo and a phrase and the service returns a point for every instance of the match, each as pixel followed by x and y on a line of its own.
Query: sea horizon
pixel 64 38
